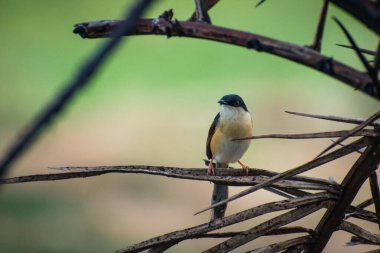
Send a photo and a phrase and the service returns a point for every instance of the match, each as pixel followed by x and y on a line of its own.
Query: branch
pixel 362 125
pixel 303 168
pixel 265 227
pixel 302 55
pixel 312 135
pixel 280 246
pixel 333 118
pixel 365 203
pixel 374 184
pixel 226 176
pixel 81 79
pixel 352 182
pixel 356 230
pixel 227 221
pixel 279 231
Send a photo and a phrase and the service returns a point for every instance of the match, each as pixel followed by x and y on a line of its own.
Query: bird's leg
pixel 211 169
pixel 243 166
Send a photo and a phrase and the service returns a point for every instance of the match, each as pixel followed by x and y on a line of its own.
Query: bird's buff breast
pixel 230 127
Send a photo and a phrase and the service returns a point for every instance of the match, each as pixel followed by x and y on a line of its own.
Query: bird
pixel 233 121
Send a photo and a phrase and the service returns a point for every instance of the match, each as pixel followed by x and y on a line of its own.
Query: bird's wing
pixel 211 132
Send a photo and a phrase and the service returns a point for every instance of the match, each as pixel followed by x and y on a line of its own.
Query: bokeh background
pixel 152 103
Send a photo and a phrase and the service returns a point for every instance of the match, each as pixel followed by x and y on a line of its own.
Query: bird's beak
pixel 222 102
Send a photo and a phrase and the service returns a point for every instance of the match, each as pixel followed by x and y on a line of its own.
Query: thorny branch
pixel 302 55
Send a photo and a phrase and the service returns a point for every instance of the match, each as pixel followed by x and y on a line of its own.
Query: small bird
pixel 232 122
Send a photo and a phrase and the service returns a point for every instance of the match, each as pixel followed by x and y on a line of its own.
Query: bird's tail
pixel 219 193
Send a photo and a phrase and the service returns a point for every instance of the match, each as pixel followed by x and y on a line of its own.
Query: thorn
pixel 325 65
pixel 81 30
pixel 259 3
pixel 255 44
pixel 317 44
pixel 365 51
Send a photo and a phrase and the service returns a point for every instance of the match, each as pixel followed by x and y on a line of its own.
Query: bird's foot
pixel 243 166
pixel 211 169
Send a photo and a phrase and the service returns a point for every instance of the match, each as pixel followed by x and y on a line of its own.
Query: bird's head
pixel 234 101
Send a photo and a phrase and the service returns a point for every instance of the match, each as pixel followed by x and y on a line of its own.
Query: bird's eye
pixel 237 103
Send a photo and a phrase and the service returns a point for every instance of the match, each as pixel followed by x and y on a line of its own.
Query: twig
pixel 227 221
pixel 356 129
pixel 365 51
pixel 352 182
pixel 365 203
pixel 359 213
pixel 371 71
pixel 376 64
pixel 299 54
pixel 332 118
pixel 264 227
pixel 280 246
pixel 356 240
pixel 317 44
pixel 303 168
pixel 356 230
pixel 81 79
pixel 374 184
pixel 201 11
pixel 312 135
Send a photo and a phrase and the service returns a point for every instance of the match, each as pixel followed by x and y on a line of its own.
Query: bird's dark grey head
pixel 233 100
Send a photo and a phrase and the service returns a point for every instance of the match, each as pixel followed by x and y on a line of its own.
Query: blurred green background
pixel 152 103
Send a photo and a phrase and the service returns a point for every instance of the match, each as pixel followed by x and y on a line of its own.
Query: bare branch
pixel 299 54
pixel 276 247
pixel 308 166
pixel 229 220
pixel 208 4
pixel 312 135
pixel 333 118
pixel 356 230
pixel 362 125
pixel 365 203
pixel 374 184
pixel 264 227
pixel 226 176
pixel 81 79
pixel 358 213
